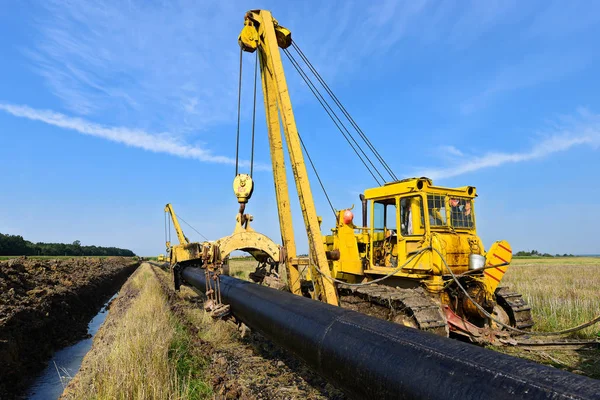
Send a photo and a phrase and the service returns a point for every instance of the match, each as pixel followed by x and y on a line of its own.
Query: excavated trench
pixel 46 305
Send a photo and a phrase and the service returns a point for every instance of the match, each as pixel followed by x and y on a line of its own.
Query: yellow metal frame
pixel 263 33
pixel 349 253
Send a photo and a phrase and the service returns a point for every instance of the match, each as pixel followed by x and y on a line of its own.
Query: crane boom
pixel 263 33
pixel 180 236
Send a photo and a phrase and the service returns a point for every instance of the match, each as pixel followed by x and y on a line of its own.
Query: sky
pixel 111 109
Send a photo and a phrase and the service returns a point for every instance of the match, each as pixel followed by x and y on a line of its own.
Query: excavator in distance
pixel 214 255
pixel 415 258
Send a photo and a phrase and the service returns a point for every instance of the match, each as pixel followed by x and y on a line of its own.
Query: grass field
pixel 145 351
pixel 562 292
pixel 241 267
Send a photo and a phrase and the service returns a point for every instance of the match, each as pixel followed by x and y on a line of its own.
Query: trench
pixel 47 305
pixel 65 363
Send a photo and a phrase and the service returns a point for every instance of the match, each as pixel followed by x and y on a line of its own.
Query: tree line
pixel 15 245
pixel 535 253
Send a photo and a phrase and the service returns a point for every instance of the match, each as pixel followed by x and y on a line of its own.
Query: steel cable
pixel 331 115
pixel 165 213
pixel 237 142
pixel 183 220
pixel 561 332
pixel 317 175
pixel 345 112
pixel 253 116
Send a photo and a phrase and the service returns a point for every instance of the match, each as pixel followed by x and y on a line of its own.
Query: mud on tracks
pixel 46 305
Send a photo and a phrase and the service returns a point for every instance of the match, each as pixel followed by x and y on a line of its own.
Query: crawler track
pixel 396 304
pixel 517 308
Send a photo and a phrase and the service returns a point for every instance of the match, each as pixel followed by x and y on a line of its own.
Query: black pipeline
pixel 372 358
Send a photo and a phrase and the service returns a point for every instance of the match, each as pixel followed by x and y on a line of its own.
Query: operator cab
pixel 406 212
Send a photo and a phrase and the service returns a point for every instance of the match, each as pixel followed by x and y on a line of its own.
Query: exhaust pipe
pixel 370 358
pixel 363 200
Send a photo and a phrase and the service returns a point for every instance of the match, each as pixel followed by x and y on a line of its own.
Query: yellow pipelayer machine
pixel 415 258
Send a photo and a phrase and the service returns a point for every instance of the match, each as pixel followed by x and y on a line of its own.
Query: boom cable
pixel 317 174
pixel 165 226
pixel 331 114
pixel 345 112
pixel 237 142
pixel 253 116
pixel 183 220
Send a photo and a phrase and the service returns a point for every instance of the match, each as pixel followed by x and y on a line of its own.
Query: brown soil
pixel 46 305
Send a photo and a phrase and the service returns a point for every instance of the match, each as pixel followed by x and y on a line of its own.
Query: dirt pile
pixel 46 305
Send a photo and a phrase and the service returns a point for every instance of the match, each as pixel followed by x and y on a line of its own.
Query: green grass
pixel 241 267
pixel 562 292
pixel 189 366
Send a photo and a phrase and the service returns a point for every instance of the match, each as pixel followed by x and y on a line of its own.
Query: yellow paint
pixel 499 253
pixel 268 38
pixel 425 227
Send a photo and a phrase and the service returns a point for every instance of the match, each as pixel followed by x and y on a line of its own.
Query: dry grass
pixel 563 292
pixel 241 267
pixel 145 353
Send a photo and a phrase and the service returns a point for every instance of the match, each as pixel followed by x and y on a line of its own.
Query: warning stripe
pixel 502 247
pixel 500 258
pixel 491 276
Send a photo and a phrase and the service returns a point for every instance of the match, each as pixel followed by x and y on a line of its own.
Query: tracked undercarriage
pixel 415 308
pixel 519 312
pixel 410 307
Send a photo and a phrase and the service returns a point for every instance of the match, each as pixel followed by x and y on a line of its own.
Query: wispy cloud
pixel 581 130
pixel 168 65
pixel 533 70
pixel 451 151
pixel 158 143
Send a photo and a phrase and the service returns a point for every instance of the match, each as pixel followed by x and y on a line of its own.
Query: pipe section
pixel 370 358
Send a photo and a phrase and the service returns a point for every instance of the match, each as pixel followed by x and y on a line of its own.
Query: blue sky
pixel 110 109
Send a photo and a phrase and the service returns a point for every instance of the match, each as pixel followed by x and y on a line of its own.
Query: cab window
pixel 436 208
pixel 412 216
pixel 384 215
pixel 461 212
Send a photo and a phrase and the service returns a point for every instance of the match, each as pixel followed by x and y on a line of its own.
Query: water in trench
pixel 65 363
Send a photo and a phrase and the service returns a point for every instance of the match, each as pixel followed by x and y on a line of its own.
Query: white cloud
pixel 582 130
pixel 451 150
pixel 157 143
pixel 168 65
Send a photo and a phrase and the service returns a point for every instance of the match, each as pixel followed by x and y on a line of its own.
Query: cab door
pixel 412 226
pixel 384 233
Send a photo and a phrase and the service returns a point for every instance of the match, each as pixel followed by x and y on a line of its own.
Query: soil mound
pixel 46 305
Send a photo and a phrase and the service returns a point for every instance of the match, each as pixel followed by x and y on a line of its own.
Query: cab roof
pixel 416 185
